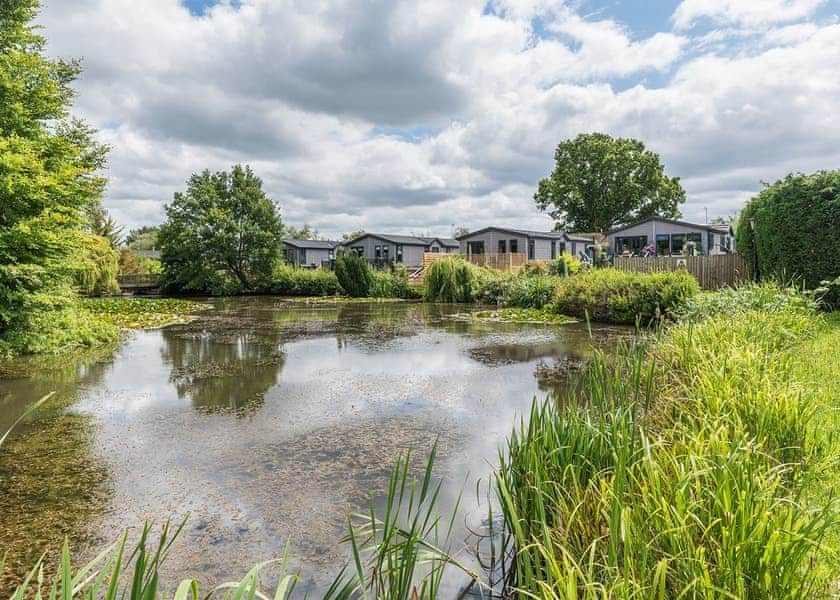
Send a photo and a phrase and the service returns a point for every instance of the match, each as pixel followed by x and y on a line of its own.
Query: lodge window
pixel 633 244
pixel 435 250
pixel 514 246
pixel 360 250
pixel 399 253
pixel 677 243
pixel 385 251
pixel 553 249
pixel 475 247
pixel 663 244
pixel 531 249
pixel 697 238
pixel 377 251
pixel 502 247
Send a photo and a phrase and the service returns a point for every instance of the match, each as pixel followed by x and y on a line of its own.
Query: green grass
pixel 697 468
pixel 142 313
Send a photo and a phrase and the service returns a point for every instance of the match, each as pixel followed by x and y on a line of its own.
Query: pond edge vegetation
pixel 691 465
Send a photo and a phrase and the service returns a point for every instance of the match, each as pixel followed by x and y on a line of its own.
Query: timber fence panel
pixel 712 272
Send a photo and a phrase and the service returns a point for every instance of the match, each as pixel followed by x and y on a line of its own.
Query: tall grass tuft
pixel 677 471
pixel 451 280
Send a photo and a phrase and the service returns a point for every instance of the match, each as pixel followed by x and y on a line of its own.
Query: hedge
pixel 797 229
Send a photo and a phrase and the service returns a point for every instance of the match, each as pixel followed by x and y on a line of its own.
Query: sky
pixel 419 116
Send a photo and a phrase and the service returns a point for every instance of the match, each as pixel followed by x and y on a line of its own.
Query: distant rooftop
pixel 312 244
pixel 406 240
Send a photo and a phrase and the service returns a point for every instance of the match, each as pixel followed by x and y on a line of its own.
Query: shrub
pixel 50 320
pixel 452 280
pixel 354 275
pixel 797 225
pixel 393 284
pixel 828 294
pixel 565 264
pixel 289 281
pixel 768 296
pixel 493 286
pixel 615 296
pixel 533 291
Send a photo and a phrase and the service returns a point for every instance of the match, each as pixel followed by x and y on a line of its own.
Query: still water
pixel 267 421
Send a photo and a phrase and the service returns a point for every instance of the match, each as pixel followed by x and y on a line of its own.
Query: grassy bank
pixel 603 295
pixel 699 468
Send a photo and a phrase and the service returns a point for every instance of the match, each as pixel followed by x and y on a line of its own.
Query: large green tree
pixel 48 175
pixel 221 235
pixel 600 182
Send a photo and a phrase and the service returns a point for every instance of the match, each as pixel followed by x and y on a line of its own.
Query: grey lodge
pixel 383 249
pixel 538 245
pixel 667 237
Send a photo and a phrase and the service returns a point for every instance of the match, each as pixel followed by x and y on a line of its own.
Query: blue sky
pixel 414 115
pixel 197 7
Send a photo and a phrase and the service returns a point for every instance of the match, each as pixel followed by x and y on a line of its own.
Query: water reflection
pixel 233 375
pixel 268 421
pixel 51 483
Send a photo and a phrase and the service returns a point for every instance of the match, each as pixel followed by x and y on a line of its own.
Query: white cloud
pixel 749 13
pixel 323 99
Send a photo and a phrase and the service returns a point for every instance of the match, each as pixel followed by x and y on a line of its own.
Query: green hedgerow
pixel 291 281
pixel 797 225
pixel 613 296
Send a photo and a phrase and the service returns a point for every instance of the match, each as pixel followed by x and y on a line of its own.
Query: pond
pixel 267 421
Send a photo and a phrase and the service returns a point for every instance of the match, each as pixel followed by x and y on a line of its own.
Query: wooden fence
pixel 501 262
pixel 712 272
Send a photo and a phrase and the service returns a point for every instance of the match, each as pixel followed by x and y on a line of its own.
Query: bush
pixel 797 225
pixel 452 280
pixel 615 296
pixel 534 291
pixel 768 296
pixel 494 286
pixel 48 320
pixel 828 294
pixel 393 284
pixel 289 281
pixel 565 264
pixel 354 275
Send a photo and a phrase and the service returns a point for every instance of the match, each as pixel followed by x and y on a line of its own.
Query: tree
pixel 354 275
pixel 143 238
pixel 600 182
pixel 100 223
pixel 221 235
pixel 303 233
pixel 48 175
pixel 460 231
pixel 353 235
pixel 790 230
